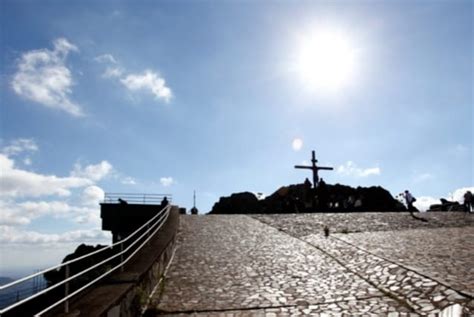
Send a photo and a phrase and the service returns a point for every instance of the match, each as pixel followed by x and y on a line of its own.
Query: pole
pixel 66 291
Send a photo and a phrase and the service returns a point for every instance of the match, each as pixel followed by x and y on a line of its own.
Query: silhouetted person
pixel 122 202
pixel 164 202
pixel 468 203
pixel 326 231
pixel 409 199
pixel 322 192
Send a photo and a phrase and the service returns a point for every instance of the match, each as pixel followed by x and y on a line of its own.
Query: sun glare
pixel 325 61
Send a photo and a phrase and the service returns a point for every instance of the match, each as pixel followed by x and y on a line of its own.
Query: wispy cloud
pixel 351 169
pixel 423 177
pixel 43 77
pixel 19 146
pixel 167 181
pixel 106 58
pixel 149 80
pixel 128 181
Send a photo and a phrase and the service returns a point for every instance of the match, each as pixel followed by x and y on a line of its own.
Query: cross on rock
pixel 315 169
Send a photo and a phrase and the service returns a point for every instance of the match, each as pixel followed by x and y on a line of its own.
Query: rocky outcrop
pixel 303 198
pixel 240 203
pixel 447 205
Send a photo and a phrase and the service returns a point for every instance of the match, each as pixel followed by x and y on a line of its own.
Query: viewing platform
pixel 122 213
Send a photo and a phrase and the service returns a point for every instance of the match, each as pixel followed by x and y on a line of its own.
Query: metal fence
pixel 146 199
pixel 74 283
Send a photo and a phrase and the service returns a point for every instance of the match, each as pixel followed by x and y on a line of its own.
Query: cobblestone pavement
pixel 300 225
pixel 421 293
pixel 234 265
pixel 234 262
pixel 446 254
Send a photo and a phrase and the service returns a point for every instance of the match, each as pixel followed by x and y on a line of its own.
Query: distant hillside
pixel 303 198
pixel 5 280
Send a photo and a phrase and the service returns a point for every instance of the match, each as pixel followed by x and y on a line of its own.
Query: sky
pixel 222 97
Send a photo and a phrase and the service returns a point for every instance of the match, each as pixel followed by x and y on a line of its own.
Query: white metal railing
pixel 152 225
pixel 144 199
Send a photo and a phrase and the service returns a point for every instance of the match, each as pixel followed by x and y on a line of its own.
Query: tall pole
pixel 194 199
pixel 315 169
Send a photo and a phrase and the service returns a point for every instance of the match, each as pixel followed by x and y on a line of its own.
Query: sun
pixel 325 60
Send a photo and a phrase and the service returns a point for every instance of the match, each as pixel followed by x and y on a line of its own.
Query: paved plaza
pixel 384 264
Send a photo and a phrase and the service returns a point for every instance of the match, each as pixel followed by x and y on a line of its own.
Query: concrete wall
pixel 124 294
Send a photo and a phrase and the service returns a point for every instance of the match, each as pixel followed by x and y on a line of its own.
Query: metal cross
pixel 315 169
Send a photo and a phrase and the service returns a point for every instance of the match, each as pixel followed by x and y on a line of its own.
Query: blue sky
pixel 171 97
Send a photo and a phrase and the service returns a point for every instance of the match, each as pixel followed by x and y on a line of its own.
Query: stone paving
pixel 445 254
pixel 234 262
pixel 233 265
pixel 300 225
pixel 421 293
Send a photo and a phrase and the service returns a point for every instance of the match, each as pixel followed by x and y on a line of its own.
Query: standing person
pixel 468 201
pixel 164 203
pixel 409 199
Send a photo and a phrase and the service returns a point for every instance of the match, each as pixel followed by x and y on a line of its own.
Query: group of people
pixel 468 201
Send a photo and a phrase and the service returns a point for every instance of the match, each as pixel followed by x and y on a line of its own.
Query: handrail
pixel 162 215
pixel 110 198
pixel 81 257
pixel 106 273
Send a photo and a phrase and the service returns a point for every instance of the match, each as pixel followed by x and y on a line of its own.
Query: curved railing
pixel 150 228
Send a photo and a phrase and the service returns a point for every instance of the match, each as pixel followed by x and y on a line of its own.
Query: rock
pixel 300 198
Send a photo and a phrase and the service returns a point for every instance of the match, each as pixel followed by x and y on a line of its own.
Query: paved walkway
pixel 234 265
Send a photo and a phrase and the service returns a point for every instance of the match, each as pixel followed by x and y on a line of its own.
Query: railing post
pixel 121 258
pixel 66 291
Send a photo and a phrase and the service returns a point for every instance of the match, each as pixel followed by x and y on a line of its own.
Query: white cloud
pixel 92 172
pixel 458 194
pixel 148 80
pixel 13 235
pixel 423 203
pixel 297 144
pixel 15 182
pixel 351 169
pixel 43 77
pixel 167 181
pixel 19 146
pixel 92 195
pixel 22 213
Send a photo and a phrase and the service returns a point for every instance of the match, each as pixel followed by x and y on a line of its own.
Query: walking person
pixel 468 201
pixel 409 199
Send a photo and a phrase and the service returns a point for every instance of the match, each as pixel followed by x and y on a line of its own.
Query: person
pixel 409 199
pixel 164 202
pixel 468 201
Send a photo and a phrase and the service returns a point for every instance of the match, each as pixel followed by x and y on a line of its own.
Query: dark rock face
pixel 302 198
pixel 240 203
pixel 55 276
pixel 447 205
